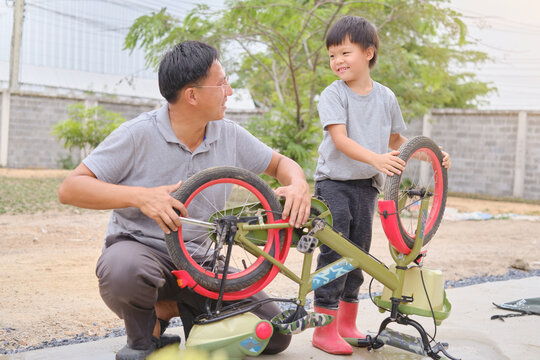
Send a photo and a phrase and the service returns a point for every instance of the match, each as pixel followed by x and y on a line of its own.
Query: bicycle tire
pixel 202 190
pixel 423 171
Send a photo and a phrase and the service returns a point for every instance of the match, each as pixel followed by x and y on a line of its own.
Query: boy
pixel 361 120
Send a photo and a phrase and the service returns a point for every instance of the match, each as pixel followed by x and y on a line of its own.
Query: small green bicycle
pixel 234 244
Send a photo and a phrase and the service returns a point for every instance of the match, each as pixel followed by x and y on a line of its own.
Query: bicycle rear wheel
pixel 213 194
pixel 423 176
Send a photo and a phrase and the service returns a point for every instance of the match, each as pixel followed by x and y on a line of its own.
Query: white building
pixel 72 51
pixel 79 46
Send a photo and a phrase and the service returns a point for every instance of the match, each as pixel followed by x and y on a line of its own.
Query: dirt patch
pixel 33 173
pixel 492 207
pixel 49 289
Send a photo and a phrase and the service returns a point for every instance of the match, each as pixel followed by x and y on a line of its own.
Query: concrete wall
pixel 493 152
pixel 29 128
pixel 32 116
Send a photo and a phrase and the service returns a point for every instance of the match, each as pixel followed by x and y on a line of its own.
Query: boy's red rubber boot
pixel 327 338
pixel 346 321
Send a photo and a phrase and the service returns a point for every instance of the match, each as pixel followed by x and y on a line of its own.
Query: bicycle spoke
pixel 216 198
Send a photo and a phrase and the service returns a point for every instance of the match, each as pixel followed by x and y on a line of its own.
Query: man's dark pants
pixel 133 277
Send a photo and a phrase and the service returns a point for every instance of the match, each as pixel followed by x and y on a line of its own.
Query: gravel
pixel 512 274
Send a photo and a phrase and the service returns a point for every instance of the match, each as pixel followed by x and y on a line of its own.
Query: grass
pixel 31 195
pixel 28 196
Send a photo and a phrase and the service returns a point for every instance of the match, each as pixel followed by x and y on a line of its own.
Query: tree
pixel 277 50
pixel 85 128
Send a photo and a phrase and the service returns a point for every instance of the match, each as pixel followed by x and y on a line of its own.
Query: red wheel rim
pixel 438 191
pixel 270 219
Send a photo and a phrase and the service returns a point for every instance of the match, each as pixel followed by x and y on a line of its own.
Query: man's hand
pixel 297 202
pixel 158 204
pixel 388 163
pixel 295 188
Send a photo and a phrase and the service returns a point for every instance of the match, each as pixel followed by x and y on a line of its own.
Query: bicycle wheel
pixel 213 194
pixel 423 176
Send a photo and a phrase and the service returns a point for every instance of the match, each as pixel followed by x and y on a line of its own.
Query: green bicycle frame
pixel 352 257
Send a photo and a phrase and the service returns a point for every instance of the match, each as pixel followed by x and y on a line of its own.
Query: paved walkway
pixel 469 331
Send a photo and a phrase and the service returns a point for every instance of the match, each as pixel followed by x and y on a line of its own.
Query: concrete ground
pixel 469 331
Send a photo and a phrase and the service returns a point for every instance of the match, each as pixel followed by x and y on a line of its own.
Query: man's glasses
pixel 225 83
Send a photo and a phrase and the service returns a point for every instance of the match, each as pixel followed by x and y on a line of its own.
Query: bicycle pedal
pixel 307 244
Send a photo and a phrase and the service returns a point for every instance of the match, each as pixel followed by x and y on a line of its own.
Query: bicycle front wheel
pixel 423 177
pixel 210 195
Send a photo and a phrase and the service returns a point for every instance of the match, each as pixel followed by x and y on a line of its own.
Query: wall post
pixel 521 149
pixel 4 127
pixel 426 125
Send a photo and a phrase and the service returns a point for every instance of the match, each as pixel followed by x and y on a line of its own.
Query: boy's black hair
pixel 186 63
pixel 358 30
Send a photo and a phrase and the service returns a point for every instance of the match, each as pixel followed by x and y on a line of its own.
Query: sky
pixel 509 32
pixel 79 45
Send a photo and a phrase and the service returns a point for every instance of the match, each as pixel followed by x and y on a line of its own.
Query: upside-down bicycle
pixel 235 243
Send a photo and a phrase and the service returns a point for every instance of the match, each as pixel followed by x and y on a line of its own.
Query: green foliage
pixel 281 133
pixel 423 50
pixel 67 162
pixel 157 32
pixel 86 127
pixel 280 56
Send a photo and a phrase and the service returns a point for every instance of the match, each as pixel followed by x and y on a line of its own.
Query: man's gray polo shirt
pixel 146 152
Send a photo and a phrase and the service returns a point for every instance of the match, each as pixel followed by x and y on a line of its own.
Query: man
pixel 132 171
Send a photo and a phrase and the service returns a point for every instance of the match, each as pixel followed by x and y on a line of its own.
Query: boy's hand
pixel 446 162
pixel 388 163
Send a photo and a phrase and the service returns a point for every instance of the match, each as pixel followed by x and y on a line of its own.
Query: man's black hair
pixel 186 63
pixel 358 30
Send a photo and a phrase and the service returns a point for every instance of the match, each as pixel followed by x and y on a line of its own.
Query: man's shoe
pixel 127 353
pixel 168 339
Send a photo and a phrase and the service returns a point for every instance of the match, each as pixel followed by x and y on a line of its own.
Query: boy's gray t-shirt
pixel 369 119
pixel 146 152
